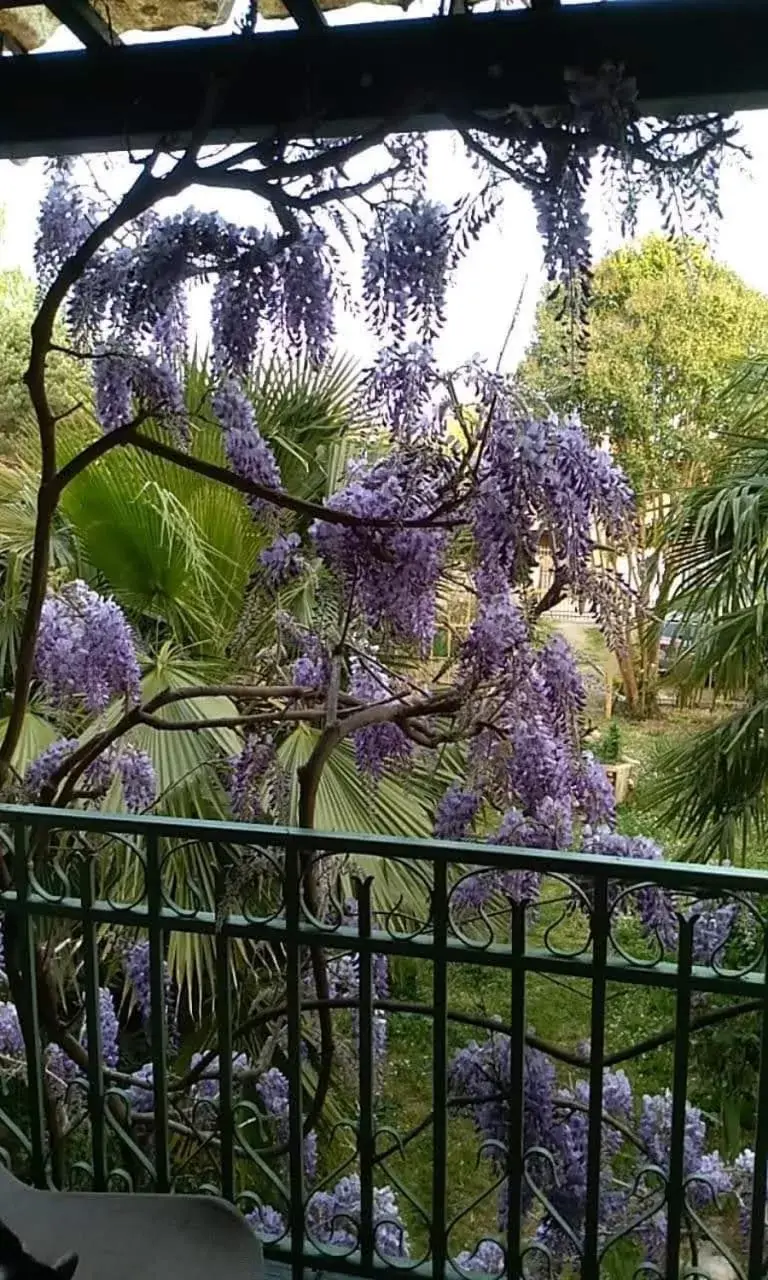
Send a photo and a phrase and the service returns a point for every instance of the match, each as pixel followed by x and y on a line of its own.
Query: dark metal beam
pixel 685 55
pixel 307 14
pixel 84 22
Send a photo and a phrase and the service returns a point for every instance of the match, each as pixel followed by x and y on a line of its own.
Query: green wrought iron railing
pixel 496 1133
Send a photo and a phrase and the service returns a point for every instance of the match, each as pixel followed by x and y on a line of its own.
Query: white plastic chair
pixel 132 1237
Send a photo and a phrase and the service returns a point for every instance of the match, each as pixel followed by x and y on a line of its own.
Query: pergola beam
pixel 307 14
pixel 84 22
pixel 685 55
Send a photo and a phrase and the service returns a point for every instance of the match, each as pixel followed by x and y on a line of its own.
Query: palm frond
pixel 37 733
pixel 717 551
pixel 309 414
pixel 711 789
pixel 187 763
pixel 175 549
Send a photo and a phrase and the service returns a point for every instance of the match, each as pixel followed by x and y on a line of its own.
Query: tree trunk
pixel 626 660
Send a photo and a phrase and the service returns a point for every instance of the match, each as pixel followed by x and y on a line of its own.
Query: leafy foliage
pixel 667 326
pixel 70 381
pixel 713 787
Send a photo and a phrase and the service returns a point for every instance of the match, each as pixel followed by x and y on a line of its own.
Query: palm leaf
pixel 37 733
pixel 711 789
pixel 186 762
pixel 399 805
pixel 174 548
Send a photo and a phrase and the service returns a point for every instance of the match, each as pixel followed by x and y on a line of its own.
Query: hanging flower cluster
pixel 392 571
pixel 555 1135
pixel 85 649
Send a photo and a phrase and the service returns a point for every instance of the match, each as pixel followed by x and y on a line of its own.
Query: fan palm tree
pixel 178 552
pixel 713 788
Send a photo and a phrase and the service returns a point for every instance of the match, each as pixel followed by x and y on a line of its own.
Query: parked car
pixel 677 635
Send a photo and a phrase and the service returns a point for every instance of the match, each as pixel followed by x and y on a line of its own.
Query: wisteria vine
pixel 435 492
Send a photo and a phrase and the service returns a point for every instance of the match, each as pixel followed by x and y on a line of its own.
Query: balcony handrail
pixel 680 876
pixel 70 895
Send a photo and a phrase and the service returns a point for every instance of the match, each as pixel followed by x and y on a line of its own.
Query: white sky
pixel 508 256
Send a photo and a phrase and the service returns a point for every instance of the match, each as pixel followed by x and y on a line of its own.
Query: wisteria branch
pixel 278 498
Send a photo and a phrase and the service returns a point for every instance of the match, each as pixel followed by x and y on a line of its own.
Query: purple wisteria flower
pixel 60 1070
pixel 593 793
pixel 11 1038
pixel 344 982
pixel 705 1176
pixel 98 777
pixel 170 331
pixel 282 559
pixel 498 638
pixel 456 813
pixel 207 1088
pixel 306 293
pixel 566 1180
pixel 713 928
pixel 85 649
pixel 125 383
pixel 486 1260
pixel 399 386
pixel 333 1218
pixel 555 1138
pixel 114 391
pixel 391 573
pixel 266 1223
pixel 143 1099
pixel 654 907
pixel 247 451
pixel 247 772
pixel 65 222
pixel 382 745
pixel 562 681
pixel 242 305
pixel 541 766
pixel 133 766
pixel 39 773
pixel 544 475
pixel 171 251
pixel 406 267
pixel 474 890
pixel 137 776
pixel 136 967
pixel 482 1072
pixel 743 1173
pixel 312 669
pixel 274 1092
pixel 109 1027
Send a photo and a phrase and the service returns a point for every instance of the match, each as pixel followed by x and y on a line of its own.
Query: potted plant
pixel 621 769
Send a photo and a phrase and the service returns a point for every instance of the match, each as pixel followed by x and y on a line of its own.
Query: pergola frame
pixel 686 55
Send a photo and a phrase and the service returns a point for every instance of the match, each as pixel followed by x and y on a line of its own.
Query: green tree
pixel 667 326
pixel 69 381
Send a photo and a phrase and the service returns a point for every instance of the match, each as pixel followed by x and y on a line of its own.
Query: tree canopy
pixel 668 323
pixel 69 383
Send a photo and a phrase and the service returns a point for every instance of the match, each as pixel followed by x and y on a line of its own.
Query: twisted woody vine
pixel 445 490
